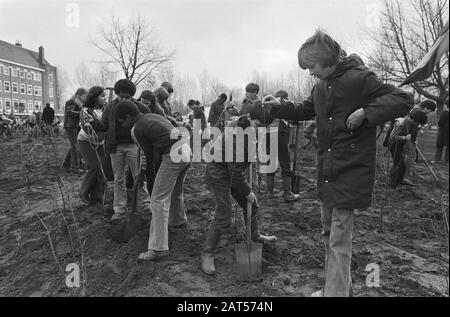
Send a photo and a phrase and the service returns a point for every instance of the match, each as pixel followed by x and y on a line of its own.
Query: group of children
pixel 348 103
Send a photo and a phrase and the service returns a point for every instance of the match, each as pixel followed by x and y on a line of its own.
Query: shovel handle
pixel 135 185
pixel 426 163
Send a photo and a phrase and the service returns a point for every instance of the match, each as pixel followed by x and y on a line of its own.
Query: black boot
pixel 207 256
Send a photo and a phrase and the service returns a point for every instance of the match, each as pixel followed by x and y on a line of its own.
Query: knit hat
pixel 125 86
pixel 147 94
pixel 167 86
pixel 126 107
pixel 161 93
pixel 282 94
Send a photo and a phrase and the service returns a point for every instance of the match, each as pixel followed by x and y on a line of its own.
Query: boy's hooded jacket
pixel 346 159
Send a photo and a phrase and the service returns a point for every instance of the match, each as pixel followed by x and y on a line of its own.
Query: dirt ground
pixel 411 247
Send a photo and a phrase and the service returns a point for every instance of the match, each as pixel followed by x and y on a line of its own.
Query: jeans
pixel 337 228
pixel 398 168
pixel 72 159
pixel 167 202
pixel 123 156
pixel 439 151
pixel 93 185
pixel 220 185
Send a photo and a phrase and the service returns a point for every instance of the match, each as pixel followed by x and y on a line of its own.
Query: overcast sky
pixel 228 38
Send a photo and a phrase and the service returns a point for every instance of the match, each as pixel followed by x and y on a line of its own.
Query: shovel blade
pixel 248 271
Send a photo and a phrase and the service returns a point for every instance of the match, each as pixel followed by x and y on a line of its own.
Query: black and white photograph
pixel 220 155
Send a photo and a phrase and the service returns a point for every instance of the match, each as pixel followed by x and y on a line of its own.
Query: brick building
pixel 27 81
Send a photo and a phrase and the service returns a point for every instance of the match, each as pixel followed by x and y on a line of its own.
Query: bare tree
pixel 211 87
pixel 133 47
pixel 63 85
pixel 409 30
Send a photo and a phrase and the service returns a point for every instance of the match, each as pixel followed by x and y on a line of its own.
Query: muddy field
pixel 410 248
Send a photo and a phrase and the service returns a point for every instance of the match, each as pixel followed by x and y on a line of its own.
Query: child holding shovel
pixel 226 180
pixel 348 102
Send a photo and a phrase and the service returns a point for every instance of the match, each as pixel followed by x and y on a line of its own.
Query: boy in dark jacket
pixel 251 97
pixel 226 180
pixel 442 139
pixel 216 110
pixel 348 102
pixel 403 132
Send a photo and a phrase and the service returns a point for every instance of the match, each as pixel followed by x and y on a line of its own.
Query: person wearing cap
pixel 228 180
pixel 154 134
pixel 123 152
pixel 216 110
pixel 283 157
pixel 148 98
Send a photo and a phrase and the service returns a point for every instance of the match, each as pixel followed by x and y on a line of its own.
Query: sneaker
pixel 265 239
pixel 207 264
pixel 317 294
pixel 152 255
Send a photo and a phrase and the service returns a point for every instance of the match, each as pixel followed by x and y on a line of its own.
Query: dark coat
pixel 216 110
pixel 346 159
pixel 198 113
pixel 48 115
pixel 72 114
pixel 442 139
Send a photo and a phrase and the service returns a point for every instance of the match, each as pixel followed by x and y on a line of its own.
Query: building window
pixel 15 88
pixel 7 86
pixel 1 105
pixel 1 86
pixel 1 69
pixel 6 71
pixel 14 72
pixel 37 105
pixel 7 104
pixel 37 76
pixel 30 90
pixel 22 106
pixel 30 75
pixel 37 91
pixel 52 104
pixel 22 89
pixel 22 73
pixel 50 78
pixel 50 92
pixel 30 106
pixel 16 105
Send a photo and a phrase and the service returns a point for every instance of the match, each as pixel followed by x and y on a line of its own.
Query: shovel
pixel 295 185
pixel 249 253
pixel 122 232
pixel 437 183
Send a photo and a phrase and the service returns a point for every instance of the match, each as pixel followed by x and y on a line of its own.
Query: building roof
pixel 20 55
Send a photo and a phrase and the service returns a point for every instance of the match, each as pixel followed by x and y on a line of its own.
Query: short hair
pixel 197 102
pixel 282 94
pixel 125 86
pixel 47 104
pixel 92 96
pixel 252 88
pixel 428 104
pixel 148 95
pixel 125 108
pixel 419 117
pixel 161 93
pixel 191 103
pixel 223 96
pixel 80 92
pixel 319 49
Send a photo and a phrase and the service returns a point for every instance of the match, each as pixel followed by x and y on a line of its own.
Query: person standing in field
pixel 216 110
pixel 442 139
pixel 71 126
pixel 348 102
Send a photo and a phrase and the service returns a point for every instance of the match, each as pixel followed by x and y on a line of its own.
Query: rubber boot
pixel 270 182
pixel 288 195
pixel 207 256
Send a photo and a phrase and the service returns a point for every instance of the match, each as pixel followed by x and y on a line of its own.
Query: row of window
pixel 24 90
pixel 22 106
pixel 22 73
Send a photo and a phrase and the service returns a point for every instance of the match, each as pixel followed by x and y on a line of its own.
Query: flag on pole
pixel 429 61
